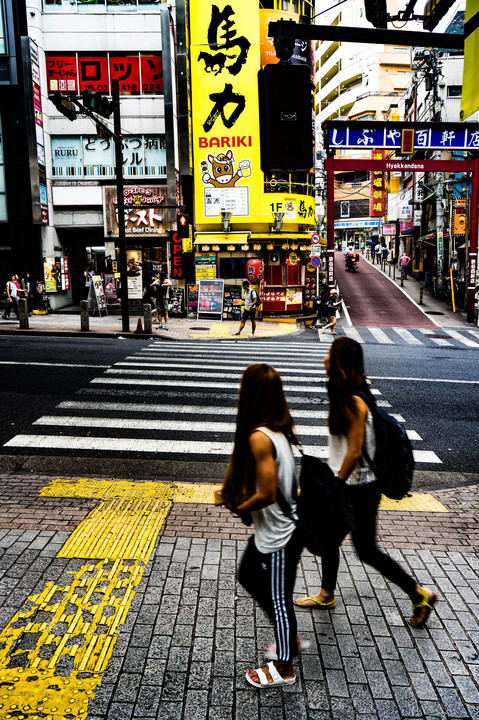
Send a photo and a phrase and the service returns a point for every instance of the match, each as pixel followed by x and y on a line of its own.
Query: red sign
pixel 378 195
pixel 151 74
pixel 176 256
pixel 93 73
pixel 62 73
pixel 126 69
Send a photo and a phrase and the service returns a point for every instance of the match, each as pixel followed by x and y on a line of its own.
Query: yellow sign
pixel 225 60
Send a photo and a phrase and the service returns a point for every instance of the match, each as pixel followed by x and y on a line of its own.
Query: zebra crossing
pixel 430 337
pixel 179 401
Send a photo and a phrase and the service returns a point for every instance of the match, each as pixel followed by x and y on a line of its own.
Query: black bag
pixel 320 515
pixel 393 462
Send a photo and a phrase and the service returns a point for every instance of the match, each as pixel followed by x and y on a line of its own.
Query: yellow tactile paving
pixel 223 331
pixel 54 650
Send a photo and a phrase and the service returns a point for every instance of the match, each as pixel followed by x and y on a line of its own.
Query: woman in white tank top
pixel 262 465
pixel 350 430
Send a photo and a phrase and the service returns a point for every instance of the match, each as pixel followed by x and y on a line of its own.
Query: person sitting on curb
pixel 249 312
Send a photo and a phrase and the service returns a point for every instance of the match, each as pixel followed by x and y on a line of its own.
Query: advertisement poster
pixel 192 300
pixel 133 270
pixel 111 290
pixel 177 302
pixel 50 274
pixel 233 303
pixel 205 266
pixel 97 284
pixel 210 298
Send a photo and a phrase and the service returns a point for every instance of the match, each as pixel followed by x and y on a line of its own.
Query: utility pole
pixel 120 206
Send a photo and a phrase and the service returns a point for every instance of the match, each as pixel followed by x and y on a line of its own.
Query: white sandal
pixel 278 681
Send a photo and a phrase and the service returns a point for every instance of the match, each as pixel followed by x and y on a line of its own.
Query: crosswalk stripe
pixel 380 336
pixel 352 333
pixel 147 445
pixel 408 336
pixel 442 342
pixel 159 372
pixel 462 339
pixel 170 410
pixel 314 370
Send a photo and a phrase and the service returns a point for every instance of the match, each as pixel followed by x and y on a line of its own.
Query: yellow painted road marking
pixel 224 331
pixel 54 650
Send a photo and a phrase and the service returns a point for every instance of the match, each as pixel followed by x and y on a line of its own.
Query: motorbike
pixel 352 260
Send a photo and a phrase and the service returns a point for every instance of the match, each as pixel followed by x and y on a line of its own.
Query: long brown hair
pixel 261 403
pixel 346 378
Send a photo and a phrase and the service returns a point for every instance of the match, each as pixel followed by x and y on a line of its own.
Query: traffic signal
pixel 376 13
pixel 64 105
pixel 183 225
pixel 434 10
pixel 97 103
pixel 286 118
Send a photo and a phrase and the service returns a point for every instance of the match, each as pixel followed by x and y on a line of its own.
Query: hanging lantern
pixel 256 246
pixel 254 270
pixel 303 248
pixel 285 246
pixel 245 248
pixel 294 246
pixel 205 247
pixel 230 248
pixel 216 248
pixel 270 246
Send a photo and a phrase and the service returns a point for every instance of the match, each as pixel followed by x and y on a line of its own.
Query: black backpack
pixel 393 462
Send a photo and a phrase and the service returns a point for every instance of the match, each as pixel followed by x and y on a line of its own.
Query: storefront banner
pixel 192 299
pixel 460 216
pixel 143 212
pixel 389 229
pixel 177 302
pixel 205 266
pixel 50 274
pixel 135 290
pixel 225 60
pixel 210 297
pixel 99 292
pixel 377 199
pixel 111 291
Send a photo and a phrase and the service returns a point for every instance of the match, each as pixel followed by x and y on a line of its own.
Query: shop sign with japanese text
pixel 425 138
pixel 377 198
pixel 143 211
pixel 225 60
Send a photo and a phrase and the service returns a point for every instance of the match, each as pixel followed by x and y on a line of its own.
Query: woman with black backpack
pixel 351 434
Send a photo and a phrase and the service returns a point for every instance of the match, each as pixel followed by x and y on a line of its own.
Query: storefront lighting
pixel 205 247
pixel 270 246
pixel 278 221
pixel 285 246
pixel 294 246
pixel 230 248
pixel 303 248
pixel 216 248
pixel 256 246
pixel 245 248
pixel 225 219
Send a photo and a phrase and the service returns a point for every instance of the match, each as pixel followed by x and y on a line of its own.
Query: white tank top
pixel 272 528
pixel 338 447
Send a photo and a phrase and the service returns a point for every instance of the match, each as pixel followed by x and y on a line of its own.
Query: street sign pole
pixel 120 207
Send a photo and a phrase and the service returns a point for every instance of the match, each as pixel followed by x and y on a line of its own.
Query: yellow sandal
pixel 422 610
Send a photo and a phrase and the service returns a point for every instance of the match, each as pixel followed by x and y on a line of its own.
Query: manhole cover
pixel 441 337
pixel 197 328
pixel 434 312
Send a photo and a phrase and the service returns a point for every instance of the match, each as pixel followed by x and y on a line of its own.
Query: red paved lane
pixel 373 300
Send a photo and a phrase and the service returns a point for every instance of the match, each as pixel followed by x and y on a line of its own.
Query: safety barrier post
pixel 23 313
pixel 147 318
pixel 84 316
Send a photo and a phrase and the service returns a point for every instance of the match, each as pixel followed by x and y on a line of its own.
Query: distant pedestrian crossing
pixel 178 400
pixel 431 337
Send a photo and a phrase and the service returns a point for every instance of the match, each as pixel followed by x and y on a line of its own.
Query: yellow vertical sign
pixel 470 88
pixel 225 59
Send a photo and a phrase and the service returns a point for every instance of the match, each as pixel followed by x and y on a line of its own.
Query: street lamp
pixel 225 219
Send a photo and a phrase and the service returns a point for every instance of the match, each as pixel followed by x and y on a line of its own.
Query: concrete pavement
pixel 119 600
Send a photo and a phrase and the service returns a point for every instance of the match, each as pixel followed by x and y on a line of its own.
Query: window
pixel 454 91
pixel 137 73
pixel 93 6
pixel 3 194
pixel 92 156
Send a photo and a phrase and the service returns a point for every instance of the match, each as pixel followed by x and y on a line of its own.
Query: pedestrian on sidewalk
pixel 249 312
pixel 88 274
pixel 385 253
pixel 403 264
pixel 11 289
pixel 163 300
pixel 373 250
pixel 329 311
pixel 379 253
pixel 350 429
pixel 261 466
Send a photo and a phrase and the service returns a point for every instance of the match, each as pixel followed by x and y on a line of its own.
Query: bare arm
pixel 266 474
pixel 355 439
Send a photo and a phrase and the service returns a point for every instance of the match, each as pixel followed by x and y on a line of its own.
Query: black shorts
pixel 249 314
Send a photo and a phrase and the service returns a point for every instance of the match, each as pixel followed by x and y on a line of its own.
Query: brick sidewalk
pixel 191 632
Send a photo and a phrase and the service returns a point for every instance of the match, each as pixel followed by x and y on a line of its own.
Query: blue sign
pixel 385 136
pixel 315 261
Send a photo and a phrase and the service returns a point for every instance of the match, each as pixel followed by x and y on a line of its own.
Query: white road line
pixel 474 333
pixel 380 336
pixel 115 423
pixel 407 336
pixel 426 380
pixel 181 363
pixel 399 418
pixel 315 375
pixel 352 333
pixel 182 447
pixel 51 364
pixel 170 410
pixel 442 342
pixel 229 351
pixel 144 368
pixel 462 339
pixel 413 435
pixel 184 383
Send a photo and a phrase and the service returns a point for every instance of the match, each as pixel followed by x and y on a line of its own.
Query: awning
pixel 279 236
pixel 222 238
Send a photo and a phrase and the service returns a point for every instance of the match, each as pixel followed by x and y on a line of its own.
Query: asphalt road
pixel 435 390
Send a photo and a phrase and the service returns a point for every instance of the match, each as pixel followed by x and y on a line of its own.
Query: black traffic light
pixel 376 13
pixel 286 118
pixel 64 105
pixel 183 225
pixel 434 10
pixel 97 103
